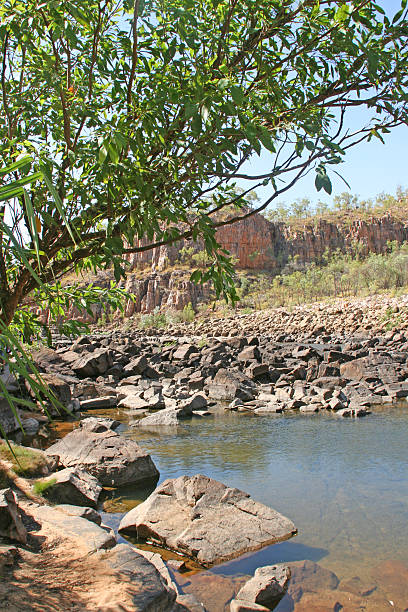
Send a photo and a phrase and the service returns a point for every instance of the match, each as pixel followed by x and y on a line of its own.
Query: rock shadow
pixel 284 552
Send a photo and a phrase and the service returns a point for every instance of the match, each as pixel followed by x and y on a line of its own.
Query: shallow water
pixel 342 481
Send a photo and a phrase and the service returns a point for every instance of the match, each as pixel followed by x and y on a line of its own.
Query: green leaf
pixel 30 214
pixel 23 162
pixel 342 13
pixel 57 200
pixel 237 95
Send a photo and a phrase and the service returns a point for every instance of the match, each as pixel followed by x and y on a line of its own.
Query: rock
pixel 357 586
pixel 392 578
pixel 150 591
pixel 30 426
pixel 238 605
pixel 310 576
pixel 136 366
pixel 310 408
pixel 8 420
pixel 335 404
pixel 133 402
pixel 249 353
pixel 108 401
pixel 379 366
pixel 206 520
pixel 228 385
pixel 336 601
pixel 83 533
pixel 344 412
pixel 99 424
pixel 267 587
pixel 397 390
pixel 93 364
pixel 58 387
pixel 184 351
pixel 269 409
pixel 256 370
pixel 176 565
pixel 197 402
pixel 188 603
pixel 213 590
pixel 8 555
pixel 11 525
pixel 168 416
pixel 73 486
pixel 82 511
pixel 111 458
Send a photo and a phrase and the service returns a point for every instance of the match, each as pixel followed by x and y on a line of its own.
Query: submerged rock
pixel 111 458
pixel 206 520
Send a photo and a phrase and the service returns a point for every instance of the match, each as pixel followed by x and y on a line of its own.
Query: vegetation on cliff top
pixel 345 209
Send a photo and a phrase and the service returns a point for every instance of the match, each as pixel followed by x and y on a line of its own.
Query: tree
pixel 139 116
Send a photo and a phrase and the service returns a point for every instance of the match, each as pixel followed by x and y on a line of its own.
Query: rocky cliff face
pixel 257 244
pixel 170 290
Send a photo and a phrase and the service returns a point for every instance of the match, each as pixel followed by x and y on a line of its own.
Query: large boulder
pixel 111 458
pixel 85 535
pixel 206 520
pixel 228 385
pixel 267 587
pixel 58 386
pixel 73 486
pixel 93 364
pixel 166 417
pixel 150 591
pixel 380 367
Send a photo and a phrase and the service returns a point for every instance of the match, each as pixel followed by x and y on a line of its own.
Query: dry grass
pixel 24 461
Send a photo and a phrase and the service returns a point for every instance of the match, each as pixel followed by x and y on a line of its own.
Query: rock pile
pixel 179 377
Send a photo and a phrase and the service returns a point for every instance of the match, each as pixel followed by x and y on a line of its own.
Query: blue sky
pixel 369 168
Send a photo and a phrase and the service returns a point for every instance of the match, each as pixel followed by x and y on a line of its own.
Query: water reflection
pixel 343 482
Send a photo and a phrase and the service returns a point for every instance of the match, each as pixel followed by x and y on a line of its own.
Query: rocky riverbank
pixel 340 358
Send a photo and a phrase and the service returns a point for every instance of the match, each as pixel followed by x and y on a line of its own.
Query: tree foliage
pixel 139 116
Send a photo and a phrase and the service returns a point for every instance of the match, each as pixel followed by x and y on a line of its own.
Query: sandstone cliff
pixel 159 279
pixel 259 244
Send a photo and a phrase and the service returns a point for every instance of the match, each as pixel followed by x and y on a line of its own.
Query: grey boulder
pixel 111 458
pixel 85 534
pixel 74 486
pixel 93 364
pixel 150 592
pixel 168 416
pixel 206 520
pixel 267 587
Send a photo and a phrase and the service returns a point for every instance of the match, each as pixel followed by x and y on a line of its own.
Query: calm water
pixel 342 481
